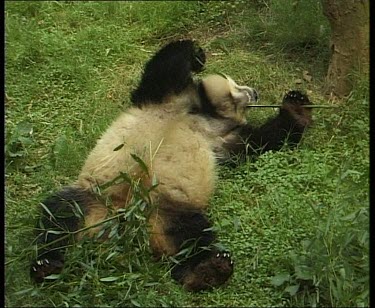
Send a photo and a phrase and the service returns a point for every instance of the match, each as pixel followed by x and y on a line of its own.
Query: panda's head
pixel 225 98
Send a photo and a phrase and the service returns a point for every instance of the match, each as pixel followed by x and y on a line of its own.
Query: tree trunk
pixel 349 45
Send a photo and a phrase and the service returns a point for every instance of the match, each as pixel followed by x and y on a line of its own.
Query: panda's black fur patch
pixel 272 135
pixel 205 108
pixel 62 213
pixel 67 207
pixel 202 266
pixel 186 225
pixel 168 72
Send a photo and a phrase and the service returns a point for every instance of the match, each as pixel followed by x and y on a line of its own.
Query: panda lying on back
pixel 181 129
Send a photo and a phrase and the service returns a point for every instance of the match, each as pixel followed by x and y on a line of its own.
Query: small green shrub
pixel 332 267
pixel 294 24
pixel 18 140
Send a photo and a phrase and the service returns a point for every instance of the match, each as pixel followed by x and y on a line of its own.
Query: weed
pixel 332 267
pixel 18 140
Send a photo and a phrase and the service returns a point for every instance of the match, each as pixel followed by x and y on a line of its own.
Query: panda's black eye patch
pixel 206 107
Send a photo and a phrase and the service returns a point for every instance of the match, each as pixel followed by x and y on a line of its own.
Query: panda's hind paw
pixel 42 268
pixel 212 271
pixel 224 262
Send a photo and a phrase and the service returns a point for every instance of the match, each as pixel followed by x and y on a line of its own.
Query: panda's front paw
pixel 42 268
pixel 296 98
pixel 199 59
pixel 293 104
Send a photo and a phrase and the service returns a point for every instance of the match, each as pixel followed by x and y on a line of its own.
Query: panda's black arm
pixel 168 71
pixel 271 135
pixel 289 125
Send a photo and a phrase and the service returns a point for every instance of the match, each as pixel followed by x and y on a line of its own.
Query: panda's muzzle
pixel 250 93
pixel 253 95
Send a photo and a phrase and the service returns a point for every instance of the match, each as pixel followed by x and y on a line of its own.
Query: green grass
pixel 296 221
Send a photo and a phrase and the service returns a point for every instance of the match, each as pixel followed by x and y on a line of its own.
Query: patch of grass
pixel 70 67
pixel 296 31
pixel 297 25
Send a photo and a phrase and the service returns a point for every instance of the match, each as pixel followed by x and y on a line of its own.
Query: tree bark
pixel 349 44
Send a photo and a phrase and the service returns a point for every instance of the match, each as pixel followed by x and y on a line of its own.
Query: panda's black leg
pixel 168 72
pixel 288 126
pixel 62 214
pixel 204 266
pixel 204 271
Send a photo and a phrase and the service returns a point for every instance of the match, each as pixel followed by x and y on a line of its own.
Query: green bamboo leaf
pixel 292 290
pixel 119 147
pixel 111 255
pixel 47 210
pixel 55 232
pixel 154 182
pixel 53 277
pixel 140 162
pixel 135 303
pixel 109 279
pixel 77 210
pixel 23 291
pixel 279 279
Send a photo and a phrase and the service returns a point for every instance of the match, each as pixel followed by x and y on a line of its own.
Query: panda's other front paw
pixel 211 271
pixel 293 104
pixel 296 97
pixel 42 268
pixel 199 59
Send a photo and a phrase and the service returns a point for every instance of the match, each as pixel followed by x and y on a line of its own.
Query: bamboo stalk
pixel 304 106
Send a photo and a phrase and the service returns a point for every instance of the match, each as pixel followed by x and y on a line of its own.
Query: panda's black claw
pixel 42 268
pixel 225 257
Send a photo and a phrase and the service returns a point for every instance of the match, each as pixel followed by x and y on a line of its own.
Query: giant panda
pixel 181 128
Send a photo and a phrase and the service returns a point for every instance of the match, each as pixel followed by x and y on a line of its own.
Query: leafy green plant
pixel 123 259
pixel 332 267
pixel 18 140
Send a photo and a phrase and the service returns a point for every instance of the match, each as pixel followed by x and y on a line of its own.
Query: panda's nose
pixel 255 95
pixel 251 93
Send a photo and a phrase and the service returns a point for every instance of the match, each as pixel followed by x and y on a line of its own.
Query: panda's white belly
pixel 179 158
pixel 185 167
